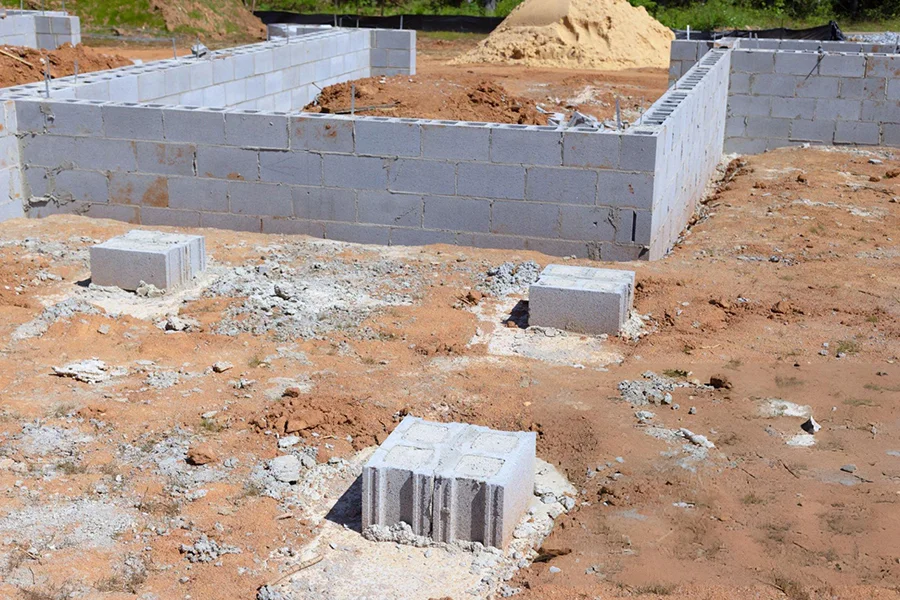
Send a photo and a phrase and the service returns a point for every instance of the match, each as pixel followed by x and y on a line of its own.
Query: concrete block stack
pixel 164 260
pixel 450 481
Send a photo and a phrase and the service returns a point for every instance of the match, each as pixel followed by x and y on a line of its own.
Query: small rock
pixel 810 426
pixel 849 468
pixel 555 570
pixel 875 161
pixel 201 454
pixel 221 366
pixel 782 307
pixel 288 441
pixel 103 329
pixel 692 410
pixel 291 392
pixel 720 382
pixel 285 468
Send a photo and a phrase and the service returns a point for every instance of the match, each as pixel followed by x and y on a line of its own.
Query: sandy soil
pixel 28 67
pixel 795 252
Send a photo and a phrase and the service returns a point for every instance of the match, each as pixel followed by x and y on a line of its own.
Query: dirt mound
pixel 405 96
pixel 62 63
pixel 596 34
pixel 220 18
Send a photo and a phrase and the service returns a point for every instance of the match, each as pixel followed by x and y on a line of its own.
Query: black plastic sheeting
pixel 826 33
pixel 417 22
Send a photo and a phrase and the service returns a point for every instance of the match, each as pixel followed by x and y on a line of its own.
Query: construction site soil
pixel 20 65
pixel 147 474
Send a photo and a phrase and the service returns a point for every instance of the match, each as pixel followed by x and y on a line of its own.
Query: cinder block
pixel 891 135
pixel 48 150
pixel 298 167
pixel 324 204
pixel 396 39
pixel 403 236
pixel 223 69
pixel 821 131
pixel 857 133
pixel 151 85
pixel 881 112
pixel 739 83
pixel 88 186
pixel 224 162
pixel 450 481
pixel 797 63
pixel 38 182
pixel 138 189
pixel 753 61
pixel 254 130
pixel 195 126
pixel 637 152
pixel 76 118
pixel 743 106
pixel 589 301
pixel 133 122
pixel 591 149
pixel 589 223
pixel 198 194
pixel 793 108
pixel 165 260
pixel 620 189
pixel 254 198
pixel 457 214
pixel 834 109
pixel 387 137
pixel 422 176
pixel 169 218
pixel 767 127
pixel 122 88
pixel 491 181
pixel 843 65
pixel 232 222
pixel 358 233
pixel 283 226
pixel 178 79
pixel 165 159
pixel 870 88
pixel 520 144
pixel 777 85
pixel 525 219
pixel 11 210
pixel 566 186
pixel 893 92
pixel 453 141
pixel 817 87
pixel 883 66
pixel 386 208
pixel 102 154
pixel 684 50
pixel 634 227
pixel 355 172
pixel 743 145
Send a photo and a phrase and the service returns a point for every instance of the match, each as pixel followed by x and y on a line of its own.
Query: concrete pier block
pixel 450 481
pixel 165 260
pixel 581 299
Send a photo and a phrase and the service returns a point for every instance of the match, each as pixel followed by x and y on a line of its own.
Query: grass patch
pixel 71 467
pixel 788 382
pixel 656 589
pixel 790 588
pixel 846 347
pixel 860 402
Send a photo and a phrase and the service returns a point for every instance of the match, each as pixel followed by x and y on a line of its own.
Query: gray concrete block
pixel 355 172
pixel 167 217
pixel 881 112
pixel 283 226
pixel 151 86
pixel 178 80
pixel 88 186
pixel 391 137
pixel 453 141
pixel 397 39
pixel 735 126
pixel 227 163
pixel 525 219
pixel 386 208
pixel 491 181
pixel 301 168
pixel 891 135
pixel 883 66
pixel 739 83
pixel 620 189
pixel 753 61
pixel 684 50
pixel 594 304
pixel 591 149
pixel 78 118
pixel 326 134
pixel 195 126
pixel 566 186
pixel 11 210
pixel 358 233
pixel 253 198
pixel 138 189
pixel 843 65
pixel 803 130
pixel 742 106
pixel 324 204
pixel 634 227
pixel 223 70
pixel 793 108
pixel 101 154
pixel 48 150
pixel 457 214
pixel 250 223
pixel 777 85
pixel 133 122
pixel 857 133
pixel 165 159
pixel 165 260
pixel 521 144
pixel 403 236
pixel 589 223
pixel 767 127
pixel 422 176
pixel 38 182
pixel 870 88
pixel 893 91
pixel 250 129
pixel 744 145
pixel 797 63
pixel 198 194
pixel 817 87
pixel 637 152
pixel 833 109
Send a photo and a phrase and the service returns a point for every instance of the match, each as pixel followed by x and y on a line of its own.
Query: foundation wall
pixel 45 30
pixel 684 54
pixel 790 97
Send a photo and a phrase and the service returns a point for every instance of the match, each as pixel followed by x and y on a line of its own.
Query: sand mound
pixel 593 34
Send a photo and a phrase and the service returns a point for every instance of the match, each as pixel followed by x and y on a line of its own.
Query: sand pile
pixel 592 34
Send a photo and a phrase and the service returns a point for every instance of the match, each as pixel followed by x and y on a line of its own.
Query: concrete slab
pixel 165 260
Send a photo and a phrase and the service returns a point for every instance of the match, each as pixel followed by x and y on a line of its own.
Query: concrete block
pixel 684 50
pixel 403 236
pixel 151 86
pixel 11 210
pixel 793 108
pixel 227 163
pixel 326 134
pixel 591 149
pixel 589 223
pixel 565 186
pixel 48 150
pixel 843 65
pixel 223 69
pixel 881 112
pixel 77 118
pixel 637 152
pixel 857 133
pixel 133 122
pixel 392 137
pixel 797 63
pixel 243 65
pixel 386 208
pixel 178 79
pixel 201 74
pixel 250 223
pixel 491 181
pixel 324 204
pixel 821 131
pixel 457 214
pixel 250 129
pixel 358 233
pixel 165 260
pixel 870 88
pixel 582 302
pixel 742 106
pixel 165 159
pixel 883 66
pixel 397 39
pixel 301 168
pixel 198 194
pixel 891 135
pixel 753 61
pixel 450 481
pixel 893 92
pixel 455 142
pixel 521 144
pixel 280 225
pixel 525 219
pixel 767 127
pixel 355 172
pixel 169 218
pixel 138 189
pixel 833 109
pixel 88 186
pixel 620 189
pixel 122 88
pixel 235 93
pixel 195 126
pixel 734 127
pixel 38 182
pixel 101 154
pixel 422 176
pixel 777 85
pixel 635 227
pixel 743 145
pixel 253 198
pixel 817 87
pixel 739 83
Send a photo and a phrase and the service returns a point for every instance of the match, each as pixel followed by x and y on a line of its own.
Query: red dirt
pixel 61 62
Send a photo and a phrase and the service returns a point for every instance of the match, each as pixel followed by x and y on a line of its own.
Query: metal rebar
pixel 174 49
pixel 47 80
pixel 618 115
pixel 352 99
pixel 76 71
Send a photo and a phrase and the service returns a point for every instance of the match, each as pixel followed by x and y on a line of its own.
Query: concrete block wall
pixel 45 30
pixel 684 54
pixel 10 170
pixel 687 126
pixel 363 179
pixel 790 97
